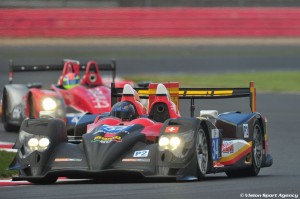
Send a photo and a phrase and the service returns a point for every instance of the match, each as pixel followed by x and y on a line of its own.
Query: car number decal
pixel 215 144
pixel 246 130
pixel 143 153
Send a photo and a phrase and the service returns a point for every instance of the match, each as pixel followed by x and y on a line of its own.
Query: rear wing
pixel 196 93
pixel 57 67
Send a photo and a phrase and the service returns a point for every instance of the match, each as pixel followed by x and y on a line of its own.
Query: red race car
pixel 70 98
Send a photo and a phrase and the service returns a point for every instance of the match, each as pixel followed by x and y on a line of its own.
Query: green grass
pixel 5 159
pixel 264 81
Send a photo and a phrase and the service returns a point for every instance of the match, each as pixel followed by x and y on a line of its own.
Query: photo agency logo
pixel 268 195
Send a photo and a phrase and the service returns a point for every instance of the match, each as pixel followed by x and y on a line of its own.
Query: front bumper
pixel 111 174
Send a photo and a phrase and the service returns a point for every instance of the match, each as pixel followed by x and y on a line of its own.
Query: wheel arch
pixel 206 125
pixel 263 125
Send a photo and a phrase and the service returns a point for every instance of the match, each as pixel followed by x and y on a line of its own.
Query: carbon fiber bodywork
pixel 158 144
pixel 121 151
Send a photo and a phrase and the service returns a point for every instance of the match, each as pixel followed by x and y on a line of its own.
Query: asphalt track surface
pixel 282 111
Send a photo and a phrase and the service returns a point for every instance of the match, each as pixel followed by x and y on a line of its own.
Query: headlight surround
pixel 49 104
pixel 179 144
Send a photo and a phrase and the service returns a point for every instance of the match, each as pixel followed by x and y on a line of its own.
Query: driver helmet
pixel 124 111
pixel 70 80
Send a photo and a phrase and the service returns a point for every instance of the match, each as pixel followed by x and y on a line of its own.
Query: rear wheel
pixel 6 106
pixel 202 154
pixel 10 128
pixel 257 154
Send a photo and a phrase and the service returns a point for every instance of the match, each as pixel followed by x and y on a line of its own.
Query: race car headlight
pixel 33 143
pixel 49 104
pixel 38 144
pixel 171 143
pixel 44 143
pixel 174 142
pixel 163 142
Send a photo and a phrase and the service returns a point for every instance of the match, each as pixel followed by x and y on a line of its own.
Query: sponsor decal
pixel 73 120
pixel 136 160
pixel 17 111
pixel 227 147
pixel 141 154
pixel 105 140
pixel 106 134
pixel 215 144
pixel 109 135
pixel 246 130
pixel 240 149
pixel 73 117
pixel 67 160
pixel 172 129
pixel 98 98
pixel 112 129
pixel 217 165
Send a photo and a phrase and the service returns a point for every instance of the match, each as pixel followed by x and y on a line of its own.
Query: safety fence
pixel 151 22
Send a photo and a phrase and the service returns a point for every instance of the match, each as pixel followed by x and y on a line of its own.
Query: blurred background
pixel 145 3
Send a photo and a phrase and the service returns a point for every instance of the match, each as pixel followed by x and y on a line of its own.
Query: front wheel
pixel 201 149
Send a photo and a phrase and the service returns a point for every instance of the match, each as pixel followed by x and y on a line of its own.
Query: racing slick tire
pixel 10 128
pixel 202 153
pixel 257 154
pixel 5 107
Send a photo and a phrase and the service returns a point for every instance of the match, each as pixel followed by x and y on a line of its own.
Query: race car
pixel 70 98
pixel 153 142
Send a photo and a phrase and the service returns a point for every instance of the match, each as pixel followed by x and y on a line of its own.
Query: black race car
pixel 135 142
